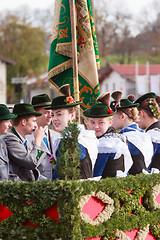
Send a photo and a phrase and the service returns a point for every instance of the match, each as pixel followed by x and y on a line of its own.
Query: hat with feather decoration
pixel 124 102
pixel 64 101
pixel 101 108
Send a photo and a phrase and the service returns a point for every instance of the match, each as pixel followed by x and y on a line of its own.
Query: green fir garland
pixel 29 201
pixel 67 194
pixel 68 161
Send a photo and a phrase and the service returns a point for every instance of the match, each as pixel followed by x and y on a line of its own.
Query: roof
pixel 127 71
pixel 7 61
pixel 130 70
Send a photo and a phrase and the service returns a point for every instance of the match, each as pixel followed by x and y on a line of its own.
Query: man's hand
pixel 39 135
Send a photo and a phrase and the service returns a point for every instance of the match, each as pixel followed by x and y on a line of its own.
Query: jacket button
pixel 43 170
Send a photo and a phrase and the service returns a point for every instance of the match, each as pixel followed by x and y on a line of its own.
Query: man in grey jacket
pixel 39 102
pixel 23 157
pixel 5 124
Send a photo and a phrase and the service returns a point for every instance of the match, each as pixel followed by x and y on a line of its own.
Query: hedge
pixel 51 210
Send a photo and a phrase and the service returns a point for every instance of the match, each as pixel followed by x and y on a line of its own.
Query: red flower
pixel 69 99
pixel 110 111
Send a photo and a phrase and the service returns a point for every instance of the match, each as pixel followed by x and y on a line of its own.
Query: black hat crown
pixel 25 109
pixel 101 108
pixel 65 101
pixel 5 114
pixel 41 100
pixel 145 96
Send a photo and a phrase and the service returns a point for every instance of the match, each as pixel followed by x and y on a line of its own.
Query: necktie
pixel 46 140
pixel 25 144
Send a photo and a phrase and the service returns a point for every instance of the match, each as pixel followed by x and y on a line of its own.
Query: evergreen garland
pixel 29 201
pixel 68 160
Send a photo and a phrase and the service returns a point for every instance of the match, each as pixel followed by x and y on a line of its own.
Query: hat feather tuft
pixel 65 90
pixel 116 95
pixel 104 98
pixel 131 97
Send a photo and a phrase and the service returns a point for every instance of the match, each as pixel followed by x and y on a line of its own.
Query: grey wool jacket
pixel 24 161
pixel 45 167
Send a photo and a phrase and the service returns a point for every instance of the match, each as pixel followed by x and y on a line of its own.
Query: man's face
pixel 4 126
pixel 45 118
pixel 100 125
pixel 30 125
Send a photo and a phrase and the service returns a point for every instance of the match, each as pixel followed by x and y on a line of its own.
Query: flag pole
pixel 74 55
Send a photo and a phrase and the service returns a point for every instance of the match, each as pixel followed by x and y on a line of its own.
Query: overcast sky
pixel 135 6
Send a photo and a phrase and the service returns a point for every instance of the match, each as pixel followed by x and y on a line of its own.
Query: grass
pixel 141 58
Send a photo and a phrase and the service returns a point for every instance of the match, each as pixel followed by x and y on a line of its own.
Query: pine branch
pixel 69 153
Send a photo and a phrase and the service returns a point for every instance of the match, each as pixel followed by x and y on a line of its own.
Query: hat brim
pixel 8 116
pixel 87 113
pixel 45 104
pixel 129 106
pixel 63 106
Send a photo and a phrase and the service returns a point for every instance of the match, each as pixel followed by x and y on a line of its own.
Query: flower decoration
pixel 52 160
pixel 141 234
pixel 153 109
pixel 114 105
pixel 69 100
pixel 117 104
pixel 104 215
pixel 155 193
pixel 110 111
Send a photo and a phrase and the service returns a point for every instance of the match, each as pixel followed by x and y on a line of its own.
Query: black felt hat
pixel 5 114
pixel 65 101
pixel 41 100
pixel 25 109
pixel 122 103
pixel 101 108
pixel 126 103
pixel 145 96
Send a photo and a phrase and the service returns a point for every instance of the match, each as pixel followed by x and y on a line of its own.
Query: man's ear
pixel 23 122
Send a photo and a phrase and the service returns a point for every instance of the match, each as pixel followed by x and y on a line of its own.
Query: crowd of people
pixel 117 138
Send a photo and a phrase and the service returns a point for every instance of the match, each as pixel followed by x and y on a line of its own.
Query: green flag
pixel 60 69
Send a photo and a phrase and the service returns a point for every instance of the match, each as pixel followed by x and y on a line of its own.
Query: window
pixel 114 87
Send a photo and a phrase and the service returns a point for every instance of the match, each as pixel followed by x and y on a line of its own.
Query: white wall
pixel 3 77
pixel 114 82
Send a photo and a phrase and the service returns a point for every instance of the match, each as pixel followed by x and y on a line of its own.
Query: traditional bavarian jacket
pixel 87 143
pixel 154 132
pixel 114 158
pixel 24 161
pixel 140 147
pixel 45 167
